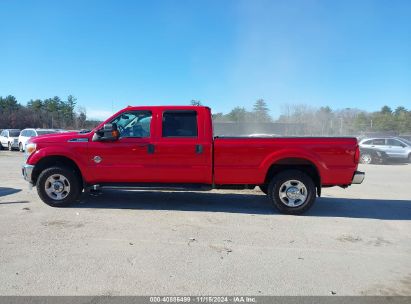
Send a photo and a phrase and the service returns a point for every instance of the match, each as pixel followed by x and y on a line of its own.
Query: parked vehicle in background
pixel 372 156
pixel 9 138
pixel 26 134
pixel 394 147
pixel 172 147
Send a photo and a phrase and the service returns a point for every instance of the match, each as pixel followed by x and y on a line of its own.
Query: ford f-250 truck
pixel 172 147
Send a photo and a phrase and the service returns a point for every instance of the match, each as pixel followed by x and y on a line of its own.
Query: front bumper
pixel 26 171
pixel 358 177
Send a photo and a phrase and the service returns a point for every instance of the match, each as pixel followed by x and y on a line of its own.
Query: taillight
pixel 357 155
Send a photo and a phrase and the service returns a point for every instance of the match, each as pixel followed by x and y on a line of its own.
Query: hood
pixel 58 137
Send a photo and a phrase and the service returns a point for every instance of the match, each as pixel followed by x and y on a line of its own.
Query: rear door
pixel 379 143
pixel 183 153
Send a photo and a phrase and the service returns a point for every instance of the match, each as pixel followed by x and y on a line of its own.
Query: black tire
pixel 10 148
pixel 292 176
pixel 366 158
pixel 74 183
pixel 409 158
pixel 264 188
pixel 21 147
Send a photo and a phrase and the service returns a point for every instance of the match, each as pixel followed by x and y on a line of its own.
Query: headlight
pixel 30 148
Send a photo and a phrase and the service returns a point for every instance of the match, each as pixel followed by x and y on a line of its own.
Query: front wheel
pixel 10 147
pixel 21 147
pixel 292 192
pixel 58 186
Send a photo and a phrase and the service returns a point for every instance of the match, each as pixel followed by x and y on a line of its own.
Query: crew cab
pixel 172 147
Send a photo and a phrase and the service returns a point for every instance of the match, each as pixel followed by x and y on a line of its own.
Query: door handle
pixel 199 149
pixel 150 149
pixel 142 145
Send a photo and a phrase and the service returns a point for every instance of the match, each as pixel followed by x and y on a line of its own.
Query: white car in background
pixel 26 134
pixel 9 138
pixel 394 147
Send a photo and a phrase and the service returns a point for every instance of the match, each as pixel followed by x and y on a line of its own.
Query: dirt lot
pixel 353 242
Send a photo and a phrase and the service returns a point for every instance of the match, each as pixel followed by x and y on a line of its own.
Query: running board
pixel 163 186
pixel 150 186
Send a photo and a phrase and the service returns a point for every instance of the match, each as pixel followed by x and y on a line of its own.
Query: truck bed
pixel 244 160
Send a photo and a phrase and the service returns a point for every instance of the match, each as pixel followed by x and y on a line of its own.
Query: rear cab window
pixel 179 124
pixel 14 133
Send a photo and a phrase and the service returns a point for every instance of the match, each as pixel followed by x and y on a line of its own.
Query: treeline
pixel 259 113
pixel 302 119
pixel 348 121
pixel 42 113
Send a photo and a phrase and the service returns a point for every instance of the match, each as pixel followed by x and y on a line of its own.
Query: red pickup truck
pixel 172 147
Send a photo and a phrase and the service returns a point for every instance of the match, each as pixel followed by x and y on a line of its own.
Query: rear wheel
pixel 58 186
pixel 292 192
pixel 409 158
pixel 366 158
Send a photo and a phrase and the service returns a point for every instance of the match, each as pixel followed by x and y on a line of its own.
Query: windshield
pixel 14 133
pixel 42 132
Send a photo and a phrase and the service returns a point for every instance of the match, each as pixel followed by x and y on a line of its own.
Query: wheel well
pixel 298 164
pixel 55 161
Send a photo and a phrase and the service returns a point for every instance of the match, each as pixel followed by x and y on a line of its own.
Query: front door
pixel 396 148
pixel 129 158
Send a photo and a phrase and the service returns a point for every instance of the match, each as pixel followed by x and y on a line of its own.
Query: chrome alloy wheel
pixel 366 159
pixel 57 187
pixel 293 193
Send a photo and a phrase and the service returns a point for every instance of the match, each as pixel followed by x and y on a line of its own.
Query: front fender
pixel 77 154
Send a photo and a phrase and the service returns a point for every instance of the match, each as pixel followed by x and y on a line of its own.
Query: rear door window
pixel 179 124
pixel 378 141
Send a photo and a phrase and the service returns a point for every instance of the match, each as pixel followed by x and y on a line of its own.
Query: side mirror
pixel 109 132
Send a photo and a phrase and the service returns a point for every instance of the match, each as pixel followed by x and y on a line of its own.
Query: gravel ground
pixel 355 241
